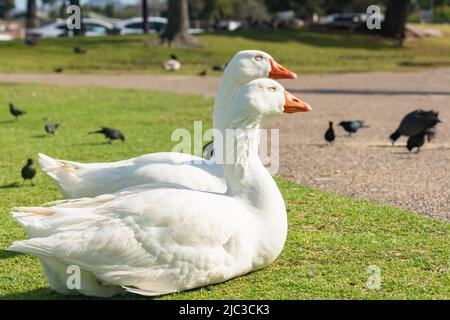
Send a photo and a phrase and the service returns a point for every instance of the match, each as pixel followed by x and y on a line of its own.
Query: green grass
pixel 302 50
pixel 331 242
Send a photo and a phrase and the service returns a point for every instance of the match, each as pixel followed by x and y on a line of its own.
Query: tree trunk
pixel 32 21
pixel 82 30
pixel 177 30
pixel 395 20
pixel 144 17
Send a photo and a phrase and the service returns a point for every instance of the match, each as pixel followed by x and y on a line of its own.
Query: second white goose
pixel 91 179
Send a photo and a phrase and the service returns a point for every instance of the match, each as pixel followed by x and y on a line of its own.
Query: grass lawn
pixel 331 242
pixel 303 51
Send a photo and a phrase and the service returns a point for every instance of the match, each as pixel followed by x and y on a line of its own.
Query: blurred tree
pixel 254 11
pixel 177 30
pixel 395 20
pixel 144 17
pixel 5 7
pixel 306 8
pixel 110 9
pixel 212 10
pixel 31 17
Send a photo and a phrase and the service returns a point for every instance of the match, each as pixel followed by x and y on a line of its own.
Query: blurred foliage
pixel 5 7
pixel 442 14
pixel 216 10
pixel 305 8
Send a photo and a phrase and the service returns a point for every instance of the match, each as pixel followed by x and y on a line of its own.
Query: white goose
pixel 91 179
pixel 155 240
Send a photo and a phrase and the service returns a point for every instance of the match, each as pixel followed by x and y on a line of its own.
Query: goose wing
pixel 160 241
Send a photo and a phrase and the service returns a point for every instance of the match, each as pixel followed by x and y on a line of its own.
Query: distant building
pixel 12 29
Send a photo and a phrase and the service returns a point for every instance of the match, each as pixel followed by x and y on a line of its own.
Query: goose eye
pixel 272 89
pixel 259 58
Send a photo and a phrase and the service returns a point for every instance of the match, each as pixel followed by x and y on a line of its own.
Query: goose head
pixel 244 67
pixel 260 100
pixel 248 65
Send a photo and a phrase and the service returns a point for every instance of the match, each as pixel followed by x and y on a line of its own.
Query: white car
pixel 155 25
pixel 94 27
pixel 5 37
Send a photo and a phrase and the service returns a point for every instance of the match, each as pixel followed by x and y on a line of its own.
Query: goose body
pixel 159 238
pixel 89 180
pixel 76 180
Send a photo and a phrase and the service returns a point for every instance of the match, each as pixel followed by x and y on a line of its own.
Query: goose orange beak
pixel 293 104
pixel 277 71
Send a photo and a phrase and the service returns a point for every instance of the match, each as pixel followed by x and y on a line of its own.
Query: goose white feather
pixel 88 180
pixel 154 239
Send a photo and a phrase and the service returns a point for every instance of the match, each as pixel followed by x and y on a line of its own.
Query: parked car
pixel 5 37
pixel 135 25
pixel 344 20
pixel 155 25
pixel 94 27
pixel 229 25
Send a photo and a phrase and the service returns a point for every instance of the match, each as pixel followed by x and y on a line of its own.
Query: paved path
pixel 365 165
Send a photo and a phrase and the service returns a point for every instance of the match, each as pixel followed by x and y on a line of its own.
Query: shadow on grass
pixel 39 136
pixel 10 185
pixel 40 294
pixel 7 121
pixel 96 143
pixel 316 38
pixel 5 254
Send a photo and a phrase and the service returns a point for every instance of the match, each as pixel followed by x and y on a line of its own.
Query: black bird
pixel 416 141
pixel 219 67
pixel 208 150
pixel 430 133
pixel 416 122
pixel 79 50
pixel 51 128
pixel 110 133
pixel 329 134
pixel 58 70
pixel 16 112
pixel 28 171
pixel 352 126
pixel 203 73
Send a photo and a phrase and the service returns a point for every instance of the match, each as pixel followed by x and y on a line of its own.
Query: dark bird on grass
pixel 416 141
pixel 58 70
pixel 16 112
pixel 79 50
pixel 28 171
pixel 31 41
pixel 208 150
pixel 203 73
pixel 219 67
pixel 416 122
pixel 110 133
pixel 329 134
pixel 352 126
pixel 51 128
